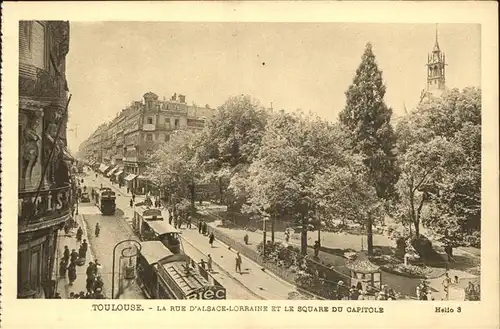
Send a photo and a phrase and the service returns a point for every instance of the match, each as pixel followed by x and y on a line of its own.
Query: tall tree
pixel 231 140
pixel 174 166
pixel 367 118
pixel 280 180
pixel 440 144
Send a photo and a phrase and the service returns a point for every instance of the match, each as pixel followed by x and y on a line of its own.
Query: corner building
pixel 122 147
pixel 44 181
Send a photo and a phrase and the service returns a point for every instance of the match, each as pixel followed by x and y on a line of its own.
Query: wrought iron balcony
pixel 51 208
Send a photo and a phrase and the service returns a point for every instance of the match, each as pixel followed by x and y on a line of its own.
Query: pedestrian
pixel 446 286
pixel 79 234
pixel 62 268
pixel 85 245
pixel 101 186
pixel 97 230
pixel 133 197
pixel 96 176
pixel 90 271
pixel 188 222
pixel 204 228
pixel 66 254
pixel 317 246
pixel 202 263
pixel 90 283
pixel 73 256
pixel 209 263
pixel 200 226
pixel 97 268
pixel 131 203
pixel 170 218
pixel 238 263
pixel 245 238
pixel 72 273
pixel 82 253
pixel 211 239
pixel 98 294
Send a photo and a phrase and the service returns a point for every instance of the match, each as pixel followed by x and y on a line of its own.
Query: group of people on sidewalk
pixel 71 259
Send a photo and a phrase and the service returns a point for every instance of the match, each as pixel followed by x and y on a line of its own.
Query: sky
pixel 306 66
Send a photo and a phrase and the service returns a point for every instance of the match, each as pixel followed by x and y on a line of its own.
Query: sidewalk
pixel 63 287
pixel 263 284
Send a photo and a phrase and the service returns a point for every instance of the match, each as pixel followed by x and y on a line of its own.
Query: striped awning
pixel 111 171
pixel 118 173
pixel 103 167
pixel 130 177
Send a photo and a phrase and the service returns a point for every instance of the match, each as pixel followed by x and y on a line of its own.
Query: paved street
pixel 120 229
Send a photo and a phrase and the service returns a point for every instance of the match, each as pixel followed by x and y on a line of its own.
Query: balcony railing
pixel 50 208
pixel 148 127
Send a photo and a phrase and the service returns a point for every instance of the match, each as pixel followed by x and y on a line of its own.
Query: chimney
pixel 182 99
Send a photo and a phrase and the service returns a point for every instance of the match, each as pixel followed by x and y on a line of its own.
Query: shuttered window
pixel 38 50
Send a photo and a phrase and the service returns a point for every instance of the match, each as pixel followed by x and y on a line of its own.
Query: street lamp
pixel 264 229
pixel 138 248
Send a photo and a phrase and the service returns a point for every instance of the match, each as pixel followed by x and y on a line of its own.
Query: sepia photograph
pixel 249 161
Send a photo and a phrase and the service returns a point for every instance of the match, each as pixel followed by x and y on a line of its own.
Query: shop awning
pixel 103 167
pixel 118 173
pixel 130 177
pixel 111 171
pixel 91 163
pixel 67 156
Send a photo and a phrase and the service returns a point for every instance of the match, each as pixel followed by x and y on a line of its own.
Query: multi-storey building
pixel 45 185
pixel 137 131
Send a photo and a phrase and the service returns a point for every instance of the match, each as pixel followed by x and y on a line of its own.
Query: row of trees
pixel 295 165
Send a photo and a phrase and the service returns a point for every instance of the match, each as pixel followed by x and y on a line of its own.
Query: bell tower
pixel 436 63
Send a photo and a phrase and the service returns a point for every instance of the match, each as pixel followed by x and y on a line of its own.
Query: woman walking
pixel 72 273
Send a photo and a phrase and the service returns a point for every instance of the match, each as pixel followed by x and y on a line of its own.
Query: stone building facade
pixel 124 147
pixel 45 188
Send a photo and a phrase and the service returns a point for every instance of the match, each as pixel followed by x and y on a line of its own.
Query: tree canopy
pixel 440 146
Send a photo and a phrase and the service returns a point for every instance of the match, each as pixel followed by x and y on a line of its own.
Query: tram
pixel 161 274
pixel 149 224
pixel 105 200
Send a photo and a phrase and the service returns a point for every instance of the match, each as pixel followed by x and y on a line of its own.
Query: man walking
pixel 97 230
pixel 238 263
pixel 211 239
pixel 66 254
pixel 209 263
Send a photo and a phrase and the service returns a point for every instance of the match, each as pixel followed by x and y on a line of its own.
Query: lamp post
pixel 138 247
pixel 264 230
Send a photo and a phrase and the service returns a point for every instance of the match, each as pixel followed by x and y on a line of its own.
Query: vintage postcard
pixel 250 165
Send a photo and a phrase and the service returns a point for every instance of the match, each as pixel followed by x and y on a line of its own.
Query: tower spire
pixel 436 44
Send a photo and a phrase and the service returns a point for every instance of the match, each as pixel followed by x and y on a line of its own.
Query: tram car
pixel 105 199
pixel 149 224
pixel 161 274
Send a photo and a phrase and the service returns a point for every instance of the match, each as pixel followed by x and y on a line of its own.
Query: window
pixel 37 47
pixel 149 137
pixel 150 121
pixel 167 137
pixel 176 124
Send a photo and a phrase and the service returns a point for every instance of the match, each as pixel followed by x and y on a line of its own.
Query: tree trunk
pixel 417 227
pixel 303 237
pixel 193 195
pixel 272 229
pixel 369 235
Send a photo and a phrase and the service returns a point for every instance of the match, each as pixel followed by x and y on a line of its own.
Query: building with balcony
pixel 138 130
pixel 45 187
